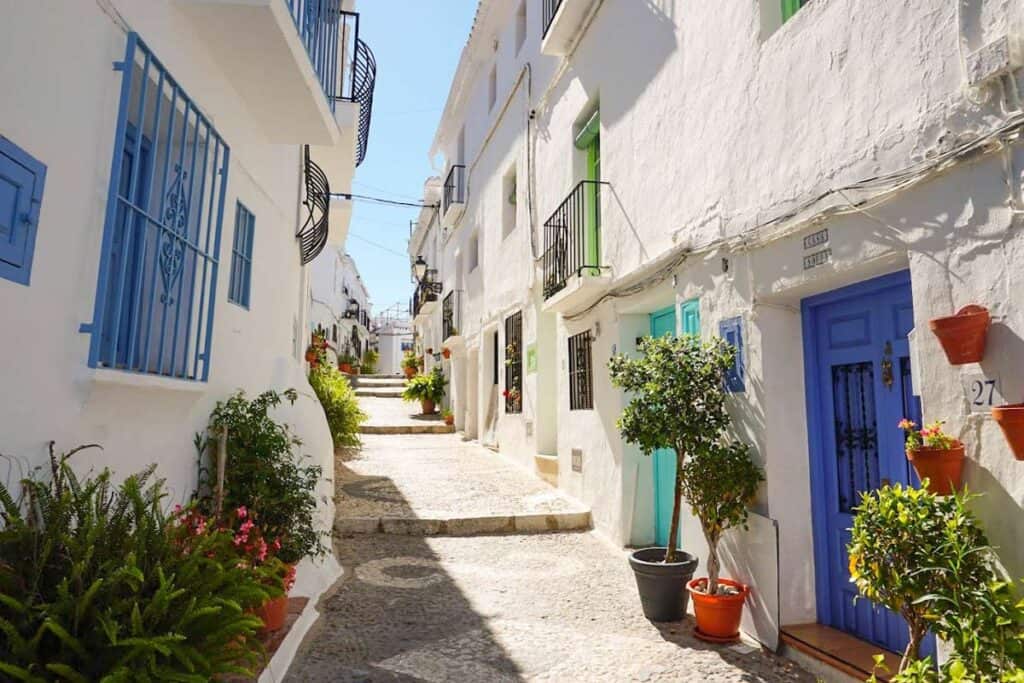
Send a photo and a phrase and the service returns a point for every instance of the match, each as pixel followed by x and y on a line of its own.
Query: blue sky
pixel 417 44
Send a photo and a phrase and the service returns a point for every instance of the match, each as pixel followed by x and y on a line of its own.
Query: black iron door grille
pixel 581 378
pixel 514 363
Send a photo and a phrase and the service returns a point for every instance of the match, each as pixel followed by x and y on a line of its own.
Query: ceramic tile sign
pixel 981 392
pixel 531 359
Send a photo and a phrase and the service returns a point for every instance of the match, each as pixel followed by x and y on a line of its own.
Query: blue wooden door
pixel 663 323
pixel 858 383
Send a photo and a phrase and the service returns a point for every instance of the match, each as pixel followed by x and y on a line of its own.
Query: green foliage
pixel 340 404
pixel 927 558
pixel 426 387
pixel 370 358
pixel 411 360
pixel 96 585
pixel 718 482
pixel 264 474
pixel 677 400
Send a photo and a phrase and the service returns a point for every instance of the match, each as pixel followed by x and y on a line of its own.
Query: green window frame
pixel 791 7
pixel 589 140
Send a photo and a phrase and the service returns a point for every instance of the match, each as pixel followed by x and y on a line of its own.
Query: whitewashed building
pixel 165 175
pixel 392 332
pixel 340 304
pixel 813 180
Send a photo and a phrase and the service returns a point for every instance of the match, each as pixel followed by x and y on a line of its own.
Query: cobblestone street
pixel 540 607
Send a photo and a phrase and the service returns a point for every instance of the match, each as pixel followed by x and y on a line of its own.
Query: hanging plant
pixel 938 458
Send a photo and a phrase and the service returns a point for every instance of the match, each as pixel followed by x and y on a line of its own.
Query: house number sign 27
pixel 981 392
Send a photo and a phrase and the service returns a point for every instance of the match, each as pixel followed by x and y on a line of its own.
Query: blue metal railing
pixel 157 280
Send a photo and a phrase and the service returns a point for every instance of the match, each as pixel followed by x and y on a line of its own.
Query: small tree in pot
pixel 718 483
pixel 677 402
pixel 427 389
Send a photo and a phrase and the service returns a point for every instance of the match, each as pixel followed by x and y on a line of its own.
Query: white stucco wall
pixel 720 123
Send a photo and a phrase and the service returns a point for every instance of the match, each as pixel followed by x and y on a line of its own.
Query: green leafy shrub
pixel 98 583
pixel 926 557
pixel 370 359
pixel 411 360
pixel 341 407
pixel 426 387
pixel 677 401
pixel 264 474
pixel 718 482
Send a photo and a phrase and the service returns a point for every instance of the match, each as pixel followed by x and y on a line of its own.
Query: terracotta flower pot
pixel 718 616
pixel 345 367
pixel 427 406
pixel 409 372
pixel 274 612
pixel 449 420
pixel 310 356
pixel 963 335
pixel 447 353
pixel 1011 420
pixel 942 467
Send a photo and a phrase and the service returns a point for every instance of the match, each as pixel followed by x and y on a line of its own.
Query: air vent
pixel 529 428
pixel 577 460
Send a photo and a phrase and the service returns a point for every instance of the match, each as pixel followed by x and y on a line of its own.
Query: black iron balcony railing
pixel 312 235
pixel 454 187
pixel 572 237
pixel 451 314
pixel 358 78
pixel 427 291
pixel 548 12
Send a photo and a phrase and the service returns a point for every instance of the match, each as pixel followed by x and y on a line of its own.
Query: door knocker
pixel 887 377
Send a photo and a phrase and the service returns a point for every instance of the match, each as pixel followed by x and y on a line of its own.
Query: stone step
pixel 520 523
pixel 425 428
pixel 378 383
pixel 380 392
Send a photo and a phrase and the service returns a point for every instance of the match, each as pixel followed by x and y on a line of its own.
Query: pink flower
pixel 242 512
pixel 246 527
pixel 277 544
pixel 261 555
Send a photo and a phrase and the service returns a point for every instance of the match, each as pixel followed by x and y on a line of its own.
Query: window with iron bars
pixel 514 363
pixel 581 374
pixel 157 284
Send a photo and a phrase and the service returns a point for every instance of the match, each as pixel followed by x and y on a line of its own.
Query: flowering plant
pixel 930 436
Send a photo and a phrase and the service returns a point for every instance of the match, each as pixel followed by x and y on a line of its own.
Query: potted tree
pixel 718 483
pixel 938 458
pixel 427 389
pixel 410 364
pixel 677 401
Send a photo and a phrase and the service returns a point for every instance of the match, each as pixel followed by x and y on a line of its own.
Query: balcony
pixel 451 319
pixel 561 20
pixel 424 301
pixel 453 198
pixel 572 270
pixel 288 59
pixel 314 233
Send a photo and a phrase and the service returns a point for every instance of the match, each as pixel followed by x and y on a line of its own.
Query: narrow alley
pixel 443 580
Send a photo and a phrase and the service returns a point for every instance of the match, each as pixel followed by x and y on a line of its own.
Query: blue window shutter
pixel 21 194
pixel 731 331
pixel 691 317
pixel 240 279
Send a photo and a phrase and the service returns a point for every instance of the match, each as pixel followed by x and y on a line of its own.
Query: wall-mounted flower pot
pixel 447 353
pixel 963 335
pixel 942 467
pixel 345 367
pixel 1011 421
pixel 662 586
pixel 718 616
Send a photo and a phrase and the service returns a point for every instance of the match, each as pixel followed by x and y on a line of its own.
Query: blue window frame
pixel 157 279
pixel 21 194
pixel 241 257
pixel 731 331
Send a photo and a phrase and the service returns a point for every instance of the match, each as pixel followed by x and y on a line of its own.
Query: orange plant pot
pixel 409 372
pixel 450 420
pixel 446 353
pixel 274 612
pixel 718 616
pixel 1011 420
pixel 963 335
pixel 310 356
pixel 346 368
pixel 427 407
pixel 942 467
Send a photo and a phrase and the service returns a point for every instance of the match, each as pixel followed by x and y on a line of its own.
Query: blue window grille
pixel 21 194
pixel 731 331
pixel 158 265
pixel 241 257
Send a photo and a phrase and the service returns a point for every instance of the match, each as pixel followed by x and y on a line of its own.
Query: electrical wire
pixel 350 196
pixel 378 245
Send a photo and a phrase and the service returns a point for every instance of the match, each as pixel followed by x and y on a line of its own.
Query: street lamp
pixel 420 268
pixel 353 309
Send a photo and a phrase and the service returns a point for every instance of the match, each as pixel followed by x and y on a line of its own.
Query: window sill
pixel 138 380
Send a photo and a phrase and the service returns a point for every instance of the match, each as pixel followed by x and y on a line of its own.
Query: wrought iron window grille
pixel 514 363
pixel 548 12
pixel 451 314
pixel 312 235
pixel 581 377
pixel 454 187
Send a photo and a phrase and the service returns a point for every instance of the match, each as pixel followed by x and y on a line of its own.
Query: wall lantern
pixel 420 268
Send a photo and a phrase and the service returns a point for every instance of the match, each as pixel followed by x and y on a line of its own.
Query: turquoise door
pixel 663 323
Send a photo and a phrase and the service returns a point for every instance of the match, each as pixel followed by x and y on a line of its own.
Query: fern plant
pixel 339 403
pixel 97 584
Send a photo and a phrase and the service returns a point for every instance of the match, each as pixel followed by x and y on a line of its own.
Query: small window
pixel 241 257
pixel 492 88
pixel 21 195
pixel 581 376
pixel 791 7
pixel 334 333
pixel 514 363
pixel 731 331
pixel 508 203
pixel 474 252
pixel 690 314
pixel 521 26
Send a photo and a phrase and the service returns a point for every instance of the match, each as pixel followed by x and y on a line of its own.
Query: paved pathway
pixel 489 608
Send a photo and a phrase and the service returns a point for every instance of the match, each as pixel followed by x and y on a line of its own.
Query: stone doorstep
pixel 527 523
pixel 438 428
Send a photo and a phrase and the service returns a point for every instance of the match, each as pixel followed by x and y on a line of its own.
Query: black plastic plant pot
pixel 662 586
